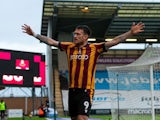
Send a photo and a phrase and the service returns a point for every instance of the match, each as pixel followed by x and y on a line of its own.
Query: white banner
pixel 107 99
pixel 12 113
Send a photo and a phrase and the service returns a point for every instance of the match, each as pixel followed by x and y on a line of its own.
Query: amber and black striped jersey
pixel 82 63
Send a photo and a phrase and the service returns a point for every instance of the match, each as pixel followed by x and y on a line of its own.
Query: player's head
pixel 85 29
pixel 81 34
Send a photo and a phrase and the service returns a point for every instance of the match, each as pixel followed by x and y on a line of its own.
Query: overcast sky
pixel 15 13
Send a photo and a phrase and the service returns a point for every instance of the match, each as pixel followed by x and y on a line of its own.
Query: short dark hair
pixel 85 28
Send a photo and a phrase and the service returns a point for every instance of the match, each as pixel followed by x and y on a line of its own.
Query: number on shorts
pixel 86 104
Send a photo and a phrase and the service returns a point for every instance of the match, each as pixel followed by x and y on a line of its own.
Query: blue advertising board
pixel 131 80
pixel 128 80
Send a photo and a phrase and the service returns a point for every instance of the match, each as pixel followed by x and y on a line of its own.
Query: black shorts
pixel 79 102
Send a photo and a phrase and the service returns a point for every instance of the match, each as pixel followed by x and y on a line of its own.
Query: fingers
pixel 137 28
pixel 141 24
pixel 26 29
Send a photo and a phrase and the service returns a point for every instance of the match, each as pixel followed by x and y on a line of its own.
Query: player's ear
pixel 86 36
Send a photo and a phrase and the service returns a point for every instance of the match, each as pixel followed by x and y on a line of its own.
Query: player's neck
pixel 82 44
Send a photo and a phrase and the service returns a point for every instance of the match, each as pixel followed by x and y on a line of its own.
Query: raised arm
pixel 135 29
pixel 27 29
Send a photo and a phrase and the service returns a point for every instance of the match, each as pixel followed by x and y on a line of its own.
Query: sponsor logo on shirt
pixel 79 57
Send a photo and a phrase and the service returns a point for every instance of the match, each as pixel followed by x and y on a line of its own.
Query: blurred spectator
pixel 41 112
pixel 2 108
pixel 47 103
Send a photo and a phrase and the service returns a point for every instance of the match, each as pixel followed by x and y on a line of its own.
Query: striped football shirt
pixel 82 63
